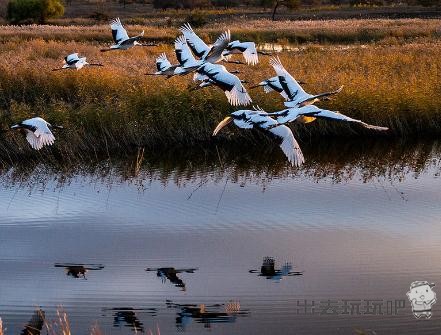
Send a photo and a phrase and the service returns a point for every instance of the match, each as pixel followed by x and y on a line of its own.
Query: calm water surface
pixel 354 227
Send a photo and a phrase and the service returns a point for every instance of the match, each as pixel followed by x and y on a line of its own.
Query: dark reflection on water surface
pixel 182 243
pixel 339 160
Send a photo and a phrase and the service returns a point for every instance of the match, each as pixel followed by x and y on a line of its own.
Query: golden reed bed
pixel 394 83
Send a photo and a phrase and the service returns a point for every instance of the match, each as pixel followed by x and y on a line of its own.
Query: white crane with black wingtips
pixel 247 119
pixel 297 97
pixel 73 61
pixel 311 112
pixel 215 74
pixel 38 132
pixel 122 39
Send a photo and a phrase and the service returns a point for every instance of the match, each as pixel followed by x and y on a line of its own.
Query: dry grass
pixel 96 330
pixel 60 326
pixel 163 29
pixel 118 108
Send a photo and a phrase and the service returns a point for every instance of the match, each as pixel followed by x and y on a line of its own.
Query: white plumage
pixel 216 51
pixel 164 67
pixel 297 97
pixel 119 33
pixel 272 84
pixel 247 49
pixel 212 54
pixel 185 58
pixel 37 131
pixel 196 44
pixel 247 119
pixel 229 83
pixel 74 61
pixel 121 38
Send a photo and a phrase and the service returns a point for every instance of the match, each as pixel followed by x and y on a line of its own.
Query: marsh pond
pixel 224 243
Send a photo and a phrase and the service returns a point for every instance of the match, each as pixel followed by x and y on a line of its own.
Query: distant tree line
pixel 274 4
pixel 33 11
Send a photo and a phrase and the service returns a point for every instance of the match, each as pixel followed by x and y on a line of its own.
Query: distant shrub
pixel 180 4
pixel 429 3
pixel 197 19
pixel 289 4
pixel 100 16
pixel 31 11
pixel 368 3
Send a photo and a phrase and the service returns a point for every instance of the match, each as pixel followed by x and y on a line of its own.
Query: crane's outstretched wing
pixel 330 115
pixel 228 82
pixel 71 59
pixel 183 53
pixel 215 53
pixel 195 43
pixel 162 63
pixel 238 95
pixel 38 133
pixel 119 34
pixel 247 49
pixel 33 140
pixel 291 87
pixel 289 145
pixel 235 92
pixel 310 99
pixel 250 53
pixel 273 84
pixel 39 142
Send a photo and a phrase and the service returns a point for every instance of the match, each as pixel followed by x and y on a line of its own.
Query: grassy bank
pixel 117 107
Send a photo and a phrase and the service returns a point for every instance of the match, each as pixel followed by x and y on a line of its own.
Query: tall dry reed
pixel 60 326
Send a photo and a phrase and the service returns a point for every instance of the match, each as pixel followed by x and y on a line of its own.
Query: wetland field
pixel 389 68
pixel 137 220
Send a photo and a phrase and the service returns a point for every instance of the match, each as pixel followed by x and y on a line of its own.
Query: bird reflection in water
pixel 207 314
pixel 128 317
pixel 268 270
pixel 35 324
pixel 172 275
pixel 78 270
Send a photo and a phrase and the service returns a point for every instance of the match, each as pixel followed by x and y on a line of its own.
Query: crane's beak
pixel 222 124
